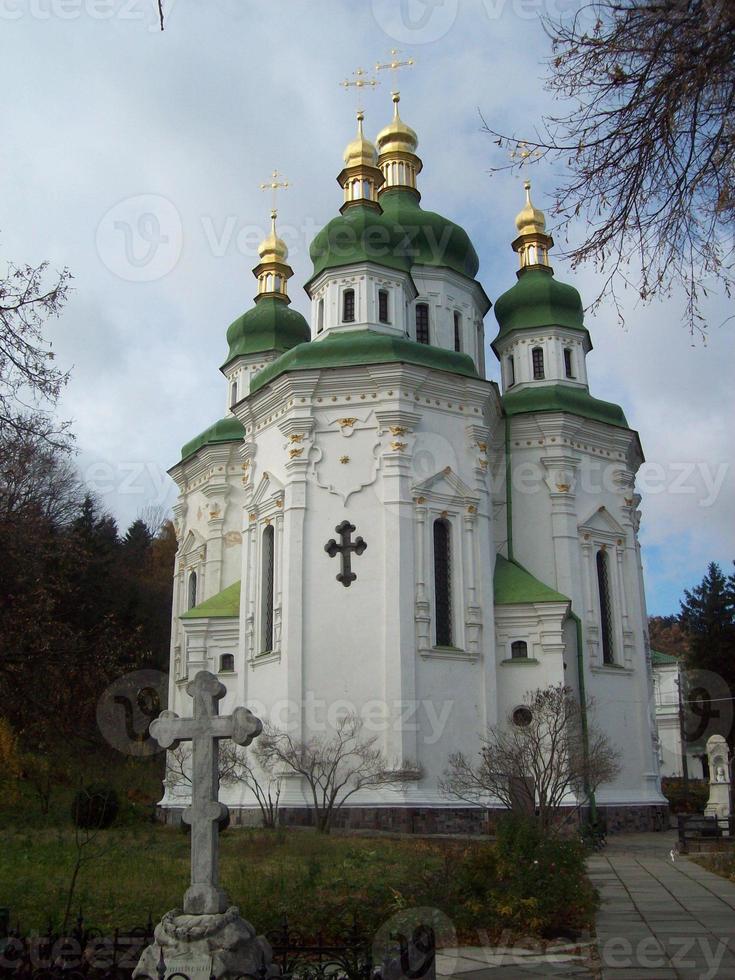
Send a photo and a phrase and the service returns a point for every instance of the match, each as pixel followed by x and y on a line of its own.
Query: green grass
pixel 137 867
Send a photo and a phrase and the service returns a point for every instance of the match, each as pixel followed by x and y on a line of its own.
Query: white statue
pixel 718 804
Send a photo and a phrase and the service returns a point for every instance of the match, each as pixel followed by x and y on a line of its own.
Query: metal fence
pixel 85 953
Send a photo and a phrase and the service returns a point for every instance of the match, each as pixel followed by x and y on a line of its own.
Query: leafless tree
pixel 233 767
pixel 647 146
pixel 30 382
pixel 538 761
pixel 334 767
pixel 37 479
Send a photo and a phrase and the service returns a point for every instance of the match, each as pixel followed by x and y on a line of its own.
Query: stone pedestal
pixel 221 945
pixel 718 804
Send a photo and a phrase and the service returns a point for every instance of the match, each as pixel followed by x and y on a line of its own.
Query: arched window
pixel 422 323
pixel 443 583
pixel 320 316
pixel 192 599
pixel 568 363
pixel 518 649
pixel 457 331
pixel 233 393
pixel 348 306
pixel 537 358
pixel 268 579
pixel 511 370
pixel 226 663
pixel 383 306
pixel 606 620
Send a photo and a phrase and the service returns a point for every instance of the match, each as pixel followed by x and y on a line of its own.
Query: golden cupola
pixel 397 158
pixel 273 272
pixel 360 179
pixel 532 243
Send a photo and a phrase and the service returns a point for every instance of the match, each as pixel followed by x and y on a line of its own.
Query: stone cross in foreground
pixel 204 730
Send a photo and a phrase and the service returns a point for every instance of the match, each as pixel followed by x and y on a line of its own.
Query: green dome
pixel 429 238
pixel 228 429
pixel 352 348
pixel 402 236
pixel 538 300
pixel 360 234
pixel 269 325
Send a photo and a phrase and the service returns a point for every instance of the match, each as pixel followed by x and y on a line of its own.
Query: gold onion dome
pixel 397 137
pixel 360 152
pixel 530 221
pixel 273 248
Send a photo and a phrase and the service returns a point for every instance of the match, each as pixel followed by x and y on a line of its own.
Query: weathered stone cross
pixel 204 730
pixel 346 576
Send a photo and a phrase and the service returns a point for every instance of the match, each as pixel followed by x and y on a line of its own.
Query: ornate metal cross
pixel 204 730
pixel 346 576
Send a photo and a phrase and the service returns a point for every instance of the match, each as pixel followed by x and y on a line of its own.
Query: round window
pixel 522 716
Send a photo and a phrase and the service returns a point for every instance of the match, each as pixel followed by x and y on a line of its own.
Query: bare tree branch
pixel 544 765
pixel 647 147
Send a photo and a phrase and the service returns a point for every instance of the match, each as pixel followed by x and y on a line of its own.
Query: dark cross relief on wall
pixel 345 548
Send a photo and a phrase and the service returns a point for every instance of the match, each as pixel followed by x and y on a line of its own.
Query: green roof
pixel 659 659
pixel 513 585
pixel 538 300
pixel 228 429
pixel 224 605
pixel 563 398
pixel 270 325
pixel 398 237
pixel 353 348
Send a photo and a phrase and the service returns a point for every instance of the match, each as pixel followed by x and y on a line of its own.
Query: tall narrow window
pixel 192 599
pixel 443 583
pixel 320 316
pixel 233 393
pixel 383 306
pixel 511 370
pixel 457 331
pixel 227 663
pixel 422 323
pixel 519 649
pixel 348 306
pixel 568 364
pixel 606 623
pixel 267 582
pixel 537 358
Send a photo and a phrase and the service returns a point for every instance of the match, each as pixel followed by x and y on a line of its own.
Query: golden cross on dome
pixel 525 154
pixel 394 64
pixel 274 185
pixel 360 82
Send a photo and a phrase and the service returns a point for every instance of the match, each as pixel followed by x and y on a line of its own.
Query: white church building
pixel 374 526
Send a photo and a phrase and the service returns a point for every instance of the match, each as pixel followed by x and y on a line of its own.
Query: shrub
pixel 95 807
pixel 682 800
pixel 542 884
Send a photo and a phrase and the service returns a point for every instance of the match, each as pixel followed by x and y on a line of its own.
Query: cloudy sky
pixel 135 158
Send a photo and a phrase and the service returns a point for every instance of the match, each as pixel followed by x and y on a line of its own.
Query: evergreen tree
pixel 708 617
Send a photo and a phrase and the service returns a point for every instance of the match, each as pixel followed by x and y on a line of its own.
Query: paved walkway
pixel 661 918
pixel 658 920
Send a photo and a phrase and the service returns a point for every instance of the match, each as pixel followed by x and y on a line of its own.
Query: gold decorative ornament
pixel 444 514
pixel 421 500
pixel 296 437
pixel 482 446
pixel 293 453
pixel 252 517
pixel 472 509
pixel 398 446
pixel 268 522
pixel 397 430
pixel 562 487
pixel 279 503
pixel 344 459
pixel 347 423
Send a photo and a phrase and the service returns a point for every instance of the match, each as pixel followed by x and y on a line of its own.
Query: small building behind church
pixel 374 526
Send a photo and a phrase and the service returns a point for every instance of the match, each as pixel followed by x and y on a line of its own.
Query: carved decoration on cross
pixel 345 549
pixel 205 815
